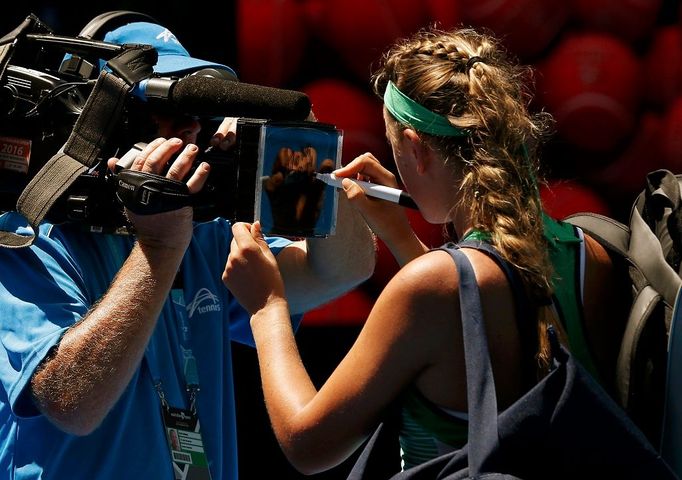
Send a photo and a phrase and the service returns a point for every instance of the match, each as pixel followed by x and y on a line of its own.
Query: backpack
pixel 649 368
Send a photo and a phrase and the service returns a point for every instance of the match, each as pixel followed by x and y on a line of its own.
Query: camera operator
pixel 115 358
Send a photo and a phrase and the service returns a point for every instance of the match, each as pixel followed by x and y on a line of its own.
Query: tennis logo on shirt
pixel 204 301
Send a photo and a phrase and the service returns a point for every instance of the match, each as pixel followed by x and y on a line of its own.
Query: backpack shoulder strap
pixel 643 245
pixel 612 234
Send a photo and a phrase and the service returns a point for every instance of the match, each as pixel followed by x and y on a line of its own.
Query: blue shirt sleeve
pixel 41 295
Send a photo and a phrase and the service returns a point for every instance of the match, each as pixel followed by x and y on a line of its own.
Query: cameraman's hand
pixel 226 134
pixel 169 229
pixel 251 272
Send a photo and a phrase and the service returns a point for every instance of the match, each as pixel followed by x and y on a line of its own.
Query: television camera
pixel 55 102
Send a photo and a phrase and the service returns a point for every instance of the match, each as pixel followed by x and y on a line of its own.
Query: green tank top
pixel 566 252
pixel 426 430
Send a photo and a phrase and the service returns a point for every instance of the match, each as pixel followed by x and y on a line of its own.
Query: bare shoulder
pixel 430 273
pixel 596 254
pixel 435 272
pixel 603 276
pixel 606 287
pixel 427 288
pixel 600 272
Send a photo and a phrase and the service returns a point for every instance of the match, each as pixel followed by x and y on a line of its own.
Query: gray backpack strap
pixel 653 278
pixel 647 246
pixel 614 235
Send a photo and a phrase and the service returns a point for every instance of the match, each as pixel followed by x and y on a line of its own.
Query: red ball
pixel 360 30
pixel 630 20
pixel 353 110
pixel 350 309
pixel 313 11
pixel 662 68
pixel 271 39
pixel 590 82
pixel 625 176
pixel 561 198
pixel 527 27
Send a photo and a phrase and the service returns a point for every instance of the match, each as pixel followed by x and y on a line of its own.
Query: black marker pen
pixel 382 192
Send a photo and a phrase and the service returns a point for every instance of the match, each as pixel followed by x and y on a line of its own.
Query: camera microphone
pixel 208 96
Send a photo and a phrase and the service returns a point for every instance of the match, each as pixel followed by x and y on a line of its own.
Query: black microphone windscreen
pixel 209 96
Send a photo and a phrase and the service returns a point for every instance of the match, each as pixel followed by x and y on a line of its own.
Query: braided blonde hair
pixel 468 77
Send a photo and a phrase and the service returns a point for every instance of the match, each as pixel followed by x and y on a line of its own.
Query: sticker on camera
pixel 15 154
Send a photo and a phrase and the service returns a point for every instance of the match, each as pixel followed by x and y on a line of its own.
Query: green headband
pixel 409 112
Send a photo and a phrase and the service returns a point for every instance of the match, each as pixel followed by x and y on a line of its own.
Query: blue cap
pixel 173 58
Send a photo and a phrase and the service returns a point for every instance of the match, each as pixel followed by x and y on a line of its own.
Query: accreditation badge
pixel 186 445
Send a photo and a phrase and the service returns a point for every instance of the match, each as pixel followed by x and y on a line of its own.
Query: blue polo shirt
pixel 48 287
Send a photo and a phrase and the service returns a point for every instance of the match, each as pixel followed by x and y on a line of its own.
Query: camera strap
pixel 147 193
pixel 90 134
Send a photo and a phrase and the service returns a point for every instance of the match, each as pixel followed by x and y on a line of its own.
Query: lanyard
pixel 182 427
pixel 189 362
pixel 190 371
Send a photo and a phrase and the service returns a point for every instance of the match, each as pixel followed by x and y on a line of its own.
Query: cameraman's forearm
pixel 331 266
pixel 95 360
pixel 348 257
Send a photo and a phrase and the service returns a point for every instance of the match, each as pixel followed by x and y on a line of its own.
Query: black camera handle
pixel 147 193
pixel 83 46
pixel 9 42
pixel 90 134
